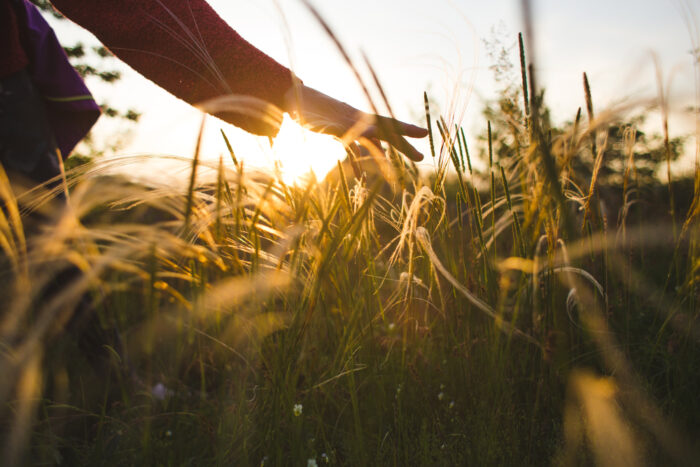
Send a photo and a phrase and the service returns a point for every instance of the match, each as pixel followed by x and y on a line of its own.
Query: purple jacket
pixel 70 107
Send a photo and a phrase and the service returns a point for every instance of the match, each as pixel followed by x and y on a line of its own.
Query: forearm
pixel 186 48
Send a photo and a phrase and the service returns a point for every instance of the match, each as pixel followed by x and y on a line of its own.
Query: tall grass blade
pixel 230 148
pixel 428 124
pixel 193 174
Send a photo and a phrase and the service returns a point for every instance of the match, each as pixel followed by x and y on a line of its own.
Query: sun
pixel 300 151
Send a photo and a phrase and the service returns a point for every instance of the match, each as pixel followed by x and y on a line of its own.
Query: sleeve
pixel 185 47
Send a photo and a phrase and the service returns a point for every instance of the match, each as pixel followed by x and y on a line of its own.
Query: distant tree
pixel 628 147
pixel 624 145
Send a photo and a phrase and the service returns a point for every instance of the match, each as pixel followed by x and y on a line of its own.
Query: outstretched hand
pixel 324 114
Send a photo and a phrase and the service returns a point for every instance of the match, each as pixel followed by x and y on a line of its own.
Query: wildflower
pixel 452 405
pixel 263 461
pixel 325 458
pixel 298 409
pixel 311 463
pixel 391 326
pixel 160 392
pixel 441 396
pixel 168 433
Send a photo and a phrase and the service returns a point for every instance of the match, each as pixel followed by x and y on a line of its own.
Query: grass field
pixel 542 311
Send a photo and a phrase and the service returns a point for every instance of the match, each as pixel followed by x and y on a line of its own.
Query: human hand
pixel 324 114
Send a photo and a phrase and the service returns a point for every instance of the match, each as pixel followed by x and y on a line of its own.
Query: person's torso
pixel 12 56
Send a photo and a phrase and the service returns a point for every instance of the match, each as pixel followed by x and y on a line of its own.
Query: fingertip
pixel 416 132
pixel 412 153
pixel 416 157
pixel 407 149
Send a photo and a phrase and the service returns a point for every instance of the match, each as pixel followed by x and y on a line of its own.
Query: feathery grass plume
pixel 251 106
pixel 324 260
pixel 523 77
pixel 589 110
pixel 461 147
pixel 443 163
pixel 597 164
pixel 452 149
pixel 428 124
pixel 597 153
pixel 466 151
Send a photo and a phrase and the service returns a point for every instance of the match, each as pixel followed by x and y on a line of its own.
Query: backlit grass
pixel 550 317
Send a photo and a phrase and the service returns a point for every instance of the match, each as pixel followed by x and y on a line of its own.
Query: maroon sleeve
pixel 186 48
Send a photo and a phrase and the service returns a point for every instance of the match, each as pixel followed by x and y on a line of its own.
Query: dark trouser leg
pixel 27 144
pixel 28 155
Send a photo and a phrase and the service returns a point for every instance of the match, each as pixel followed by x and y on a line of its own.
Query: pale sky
pixel 436 46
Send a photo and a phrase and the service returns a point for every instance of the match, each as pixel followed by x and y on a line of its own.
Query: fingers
pixel 407 149
pixel 400 128
pixel 395 132
pixel 324 114
pixel 397 140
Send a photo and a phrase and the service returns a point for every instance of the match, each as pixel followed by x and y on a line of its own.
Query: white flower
pixel 325 458
pixel 298 409
pixel 311 463
pixel 452 404
pixel 441 396
pixel 263 461
pixel 160 392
